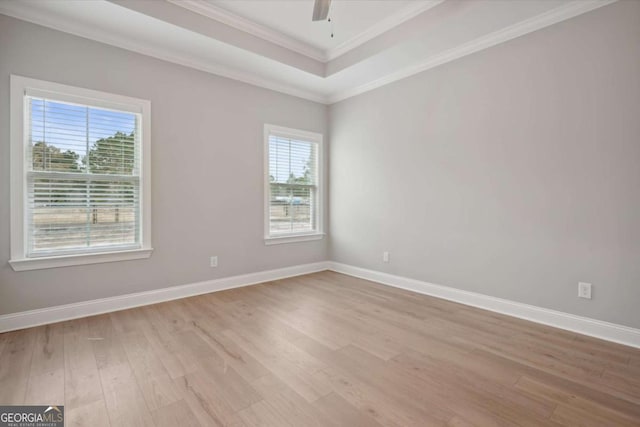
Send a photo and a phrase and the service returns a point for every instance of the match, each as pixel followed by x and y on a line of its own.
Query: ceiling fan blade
pixel 321 10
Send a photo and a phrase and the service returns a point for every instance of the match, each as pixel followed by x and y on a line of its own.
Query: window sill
pixel 293 238
pixel 81 259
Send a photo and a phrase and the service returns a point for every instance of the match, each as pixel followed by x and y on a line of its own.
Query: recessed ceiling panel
pixel 293 17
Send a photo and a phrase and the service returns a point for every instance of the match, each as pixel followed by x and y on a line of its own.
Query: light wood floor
pixel 323 349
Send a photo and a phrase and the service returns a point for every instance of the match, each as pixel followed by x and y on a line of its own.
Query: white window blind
pixel 83 173
pixel 293 200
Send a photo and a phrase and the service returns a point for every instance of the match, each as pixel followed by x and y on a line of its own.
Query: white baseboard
pixel 26 319
pixel 582 325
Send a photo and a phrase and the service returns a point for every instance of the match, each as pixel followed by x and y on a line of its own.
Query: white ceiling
pixel 392 40
pixel 293 17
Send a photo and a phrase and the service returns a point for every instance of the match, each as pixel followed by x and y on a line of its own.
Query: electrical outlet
pixel 385 256
pixel 213 262
pixel 584 290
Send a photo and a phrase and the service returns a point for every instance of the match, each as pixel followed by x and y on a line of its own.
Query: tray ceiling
pixel 274 44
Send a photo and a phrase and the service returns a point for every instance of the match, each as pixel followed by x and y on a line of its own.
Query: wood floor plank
pixel 92 414
pixel 232 354
pixel 124 400
pixel 463 359
pixel 303 382
pixel 319 350
pixel 16 366
pixel 628 385
pixel 153 379
pixel 474 391
pixel 175 414
pixel 238 393
pixel 46 376
pixel 4 338
pixel 597 344
pixel 498 405
pixel 282 403
pixel 341 413
pixel 160 338
pixel 573 401
pixel 539 360
pixel 264 415
pixel 375 402
pixel 81 377
pixel 570 416
pixel 570 386
pixel 189 348
pixel 206 401
pixel 48 354
pixel 46 389
pixel 106 345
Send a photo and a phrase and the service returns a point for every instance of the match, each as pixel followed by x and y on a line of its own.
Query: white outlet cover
pixel 584 290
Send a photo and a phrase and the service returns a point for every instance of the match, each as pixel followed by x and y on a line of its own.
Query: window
pixel 79 176
pixel 293 185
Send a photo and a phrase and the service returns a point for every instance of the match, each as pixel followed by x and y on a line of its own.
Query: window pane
pixel 293 179
pixel 67 214
pixel 291 161
pixel 81 214
pixel 58 214
pixel 113 208
pixel 291 209
pixel 301 220
pixel 73 138
pixel 57 136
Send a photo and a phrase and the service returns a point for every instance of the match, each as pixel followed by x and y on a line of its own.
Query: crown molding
pixel 18 10
pixel 559 14
pixel 412 10
pixel 155 50
pixel 238 22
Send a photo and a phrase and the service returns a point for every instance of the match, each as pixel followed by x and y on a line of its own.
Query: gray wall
pixel 206 177
pixel 513 172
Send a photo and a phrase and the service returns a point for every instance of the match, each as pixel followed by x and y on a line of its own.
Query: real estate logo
pixel 32 416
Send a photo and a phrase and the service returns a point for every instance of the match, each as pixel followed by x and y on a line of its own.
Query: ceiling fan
pixel 321 10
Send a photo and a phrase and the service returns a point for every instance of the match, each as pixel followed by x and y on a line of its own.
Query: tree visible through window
pixel 83 179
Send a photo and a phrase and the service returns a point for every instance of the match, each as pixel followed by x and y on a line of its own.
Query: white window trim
pixel 18 128
pixel 305 136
